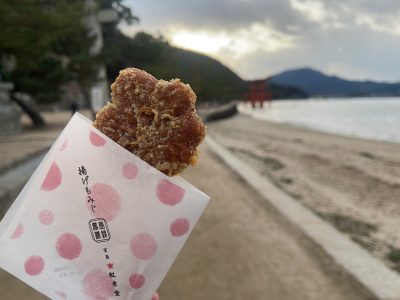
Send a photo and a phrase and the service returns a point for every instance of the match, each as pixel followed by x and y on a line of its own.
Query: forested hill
pixel 211 80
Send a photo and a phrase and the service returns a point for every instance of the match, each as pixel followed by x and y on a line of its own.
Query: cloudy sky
pixel 355 39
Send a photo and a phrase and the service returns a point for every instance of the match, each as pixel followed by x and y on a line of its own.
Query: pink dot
pixel 18 232
pixel 97 285
pixel 46 217
pixel 136 280
pixel 143 246
pixel 64 145
pixel 53 178
pixel 107 202
pixel 129 170
pixel 96 140
pixel 169 193
pixel 179 227
pixel 69 246
pixel 34 265
pixel 61 294
pixel 155 297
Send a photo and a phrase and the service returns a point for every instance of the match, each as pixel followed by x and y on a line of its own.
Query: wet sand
pixel 352 183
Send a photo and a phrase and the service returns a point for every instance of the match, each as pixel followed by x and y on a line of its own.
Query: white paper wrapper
pixel 96 222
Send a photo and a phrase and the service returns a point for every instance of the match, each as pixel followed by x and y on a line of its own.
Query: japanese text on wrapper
pixel 99 230
pixel 85 181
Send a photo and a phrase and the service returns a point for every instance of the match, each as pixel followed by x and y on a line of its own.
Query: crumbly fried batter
pixel 154 119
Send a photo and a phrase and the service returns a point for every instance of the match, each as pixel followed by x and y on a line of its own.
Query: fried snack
pixel 154 119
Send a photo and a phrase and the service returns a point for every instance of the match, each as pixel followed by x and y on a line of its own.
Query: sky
pixel 354 39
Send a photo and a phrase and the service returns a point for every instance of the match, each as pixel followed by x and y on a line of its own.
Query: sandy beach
pixel 242 248
pixel 352 183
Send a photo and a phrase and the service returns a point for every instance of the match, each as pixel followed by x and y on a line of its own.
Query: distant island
pixel 316 84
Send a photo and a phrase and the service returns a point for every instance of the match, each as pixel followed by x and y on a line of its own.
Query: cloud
pixel 389 24
pixel 312 9
pixel 351 54
pixel 346 14
pixel 355 38
pixel 242 41
pixel 215 14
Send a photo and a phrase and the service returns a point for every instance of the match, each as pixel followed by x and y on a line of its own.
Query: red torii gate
pixel 257 92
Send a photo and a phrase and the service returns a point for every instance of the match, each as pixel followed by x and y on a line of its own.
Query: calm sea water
pixel 371 118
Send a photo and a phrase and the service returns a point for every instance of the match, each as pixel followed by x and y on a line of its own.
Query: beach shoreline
pixel 366 118
pixel 350 182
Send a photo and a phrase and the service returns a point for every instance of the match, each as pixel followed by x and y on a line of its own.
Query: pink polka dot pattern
pixel 136 280
pixel 179 227
pixel 96 140
pixel 46 217
pixel 97 285
pixel 143 246
pixel 64 145
pixel 69 246
pixel 17 232
pixel 34 265
pixel 107 201
pixel 53 178
pixel 169 193
pixel 61 294
pixel 129 171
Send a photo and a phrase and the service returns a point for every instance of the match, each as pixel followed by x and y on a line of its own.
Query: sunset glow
pixel 201 42
pixel 229 46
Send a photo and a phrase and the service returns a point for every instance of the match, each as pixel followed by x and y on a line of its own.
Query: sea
pixel 369 118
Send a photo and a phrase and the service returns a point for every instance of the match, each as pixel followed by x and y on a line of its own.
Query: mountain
pixel 318 84
pixel 211 80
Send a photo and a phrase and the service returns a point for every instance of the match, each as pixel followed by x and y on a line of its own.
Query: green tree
pixel 50 44
pixel 142 51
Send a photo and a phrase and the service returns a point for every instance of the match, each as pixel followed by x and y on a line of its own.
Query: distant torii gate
pixel 257 92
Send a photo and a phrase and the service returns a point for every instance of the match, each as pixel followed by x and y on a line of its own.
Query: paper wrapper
pixel 96 222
